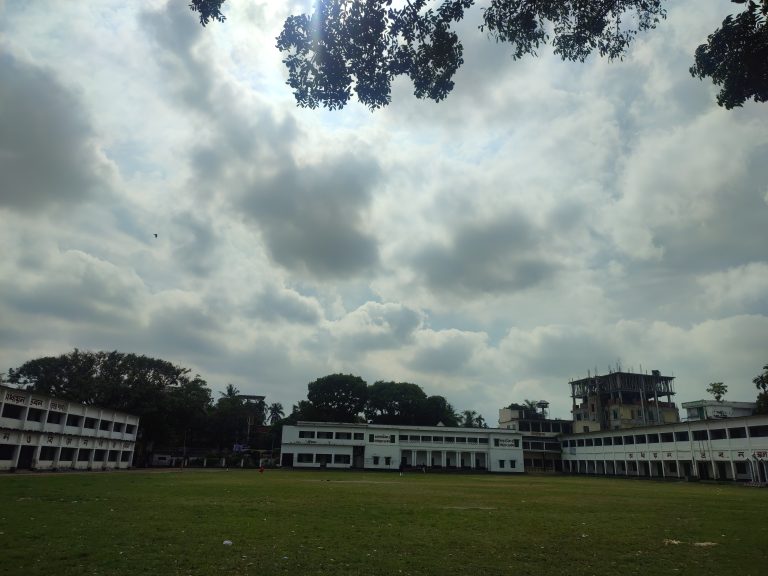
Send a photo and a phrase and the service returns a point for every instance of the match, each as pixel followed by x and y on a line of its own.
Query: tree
pixel 171 404
pixel 471 419
pixel 396 403
pixel 275 413
pixel 337 397
pixel 436 409
pixel 735 56
pixel 761 380
pixel 718 390
pixel 362 45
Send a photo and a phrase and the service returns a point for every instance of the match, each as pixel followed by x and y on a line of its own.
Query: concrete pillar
pixel 57 456
pixel 472 460
pixel 36 455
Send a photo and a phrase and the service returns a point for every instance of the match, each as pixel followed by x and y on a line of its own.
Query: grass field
pixel 290 522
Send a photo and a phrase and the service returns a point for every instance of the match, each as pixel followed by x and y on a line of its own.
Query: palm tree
pixel 468 418
pixel 761 381
pixel 275 412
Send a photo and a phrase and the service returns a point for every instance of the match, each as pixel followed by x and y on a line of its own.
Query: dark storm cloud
pixel 312 218
pixel 275 304
pixel 46 153
pixel 502 256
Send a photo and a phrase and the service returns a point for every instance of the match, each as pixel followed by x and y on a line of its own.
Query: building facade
pixel 620 400
pixel 386 447
pixel 42 433
pixel 712 409
pixel 729 449
pixel 541 436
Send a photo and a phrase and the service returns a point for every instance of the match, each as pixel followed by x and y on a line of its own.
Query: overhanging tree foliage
pixel 361 46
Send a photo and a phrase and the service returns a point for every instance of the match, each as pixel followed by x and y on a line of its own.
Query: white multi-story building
pixel 712 409
pixel 42 433
pixel 726 449
pixel 386 447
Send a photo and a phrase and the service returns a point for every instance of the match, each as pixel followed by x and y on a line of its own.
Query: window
pixel 526 445
pixel 718 434
pixel 496 442
pixel 34 415
pixel 472 440
pixel 737 432
pixel 306 434
pixel 741 467
pixel 130 428
pixel 553 446
pixel 618 440
pixel 501 463
pixel 629 440
pixel 89 423
pixel 47 453
pixel 392 439
pixel 117 427
pixel 403 438
pixel 483 440
pixel 6 451
pixel 84 455
pixel 343 435
pixel 426 438
pixel 437 438
pixel 304 458
pixel 598 441
pixel 608 441
pixel 103 425
pixel 73 420
pixel 387 460
pixel 580 442
pixel 66 454
pixel 758 431
pixel 341 459
pixel 461 440
pixel 681 436
pixel 375 460
pixel 564 443
pixel 512 463
pixel 653 438
pixel 112 456
pixel 589 442
pixel 640 439
pixel 325 435
pixel 98 455
pixel 449 439
pixel 12 411
pixel 540 445
pixel 359 436
pixel 615 414
pixel 414 438
pixel 125 457
pixel 667 437
pixel 699 435
pixel 578 416
pixel 322 458
pixel 525 426
pixel 54 417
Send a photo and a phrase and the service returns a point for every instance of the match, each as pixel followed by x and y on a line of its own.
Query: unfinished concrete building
pixel 619 400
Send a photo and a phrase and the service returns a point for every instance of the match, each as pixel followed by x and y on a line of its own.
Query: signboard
pixel 381 439
pixel 15 398
pixel 506 443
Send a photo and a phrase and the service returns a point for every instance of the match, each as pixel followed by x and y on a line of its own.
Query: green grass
pixel 306 523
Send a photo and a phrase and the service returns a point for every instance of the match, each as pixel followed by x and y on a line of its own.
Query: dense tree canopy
pixel 171 404
pixel 360 46
pixel 337 397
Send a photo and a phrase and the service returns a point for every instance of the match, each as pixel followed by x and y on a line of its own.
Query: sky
pixel 547 219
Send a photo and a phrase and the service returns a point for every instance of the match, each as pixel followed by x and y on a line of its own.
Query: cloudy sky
pixel 547 219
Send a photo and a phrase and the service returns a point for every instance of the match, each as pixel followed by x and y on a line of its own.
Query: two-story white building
pixel 42 433
pixel 386 447
pixel 723 449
